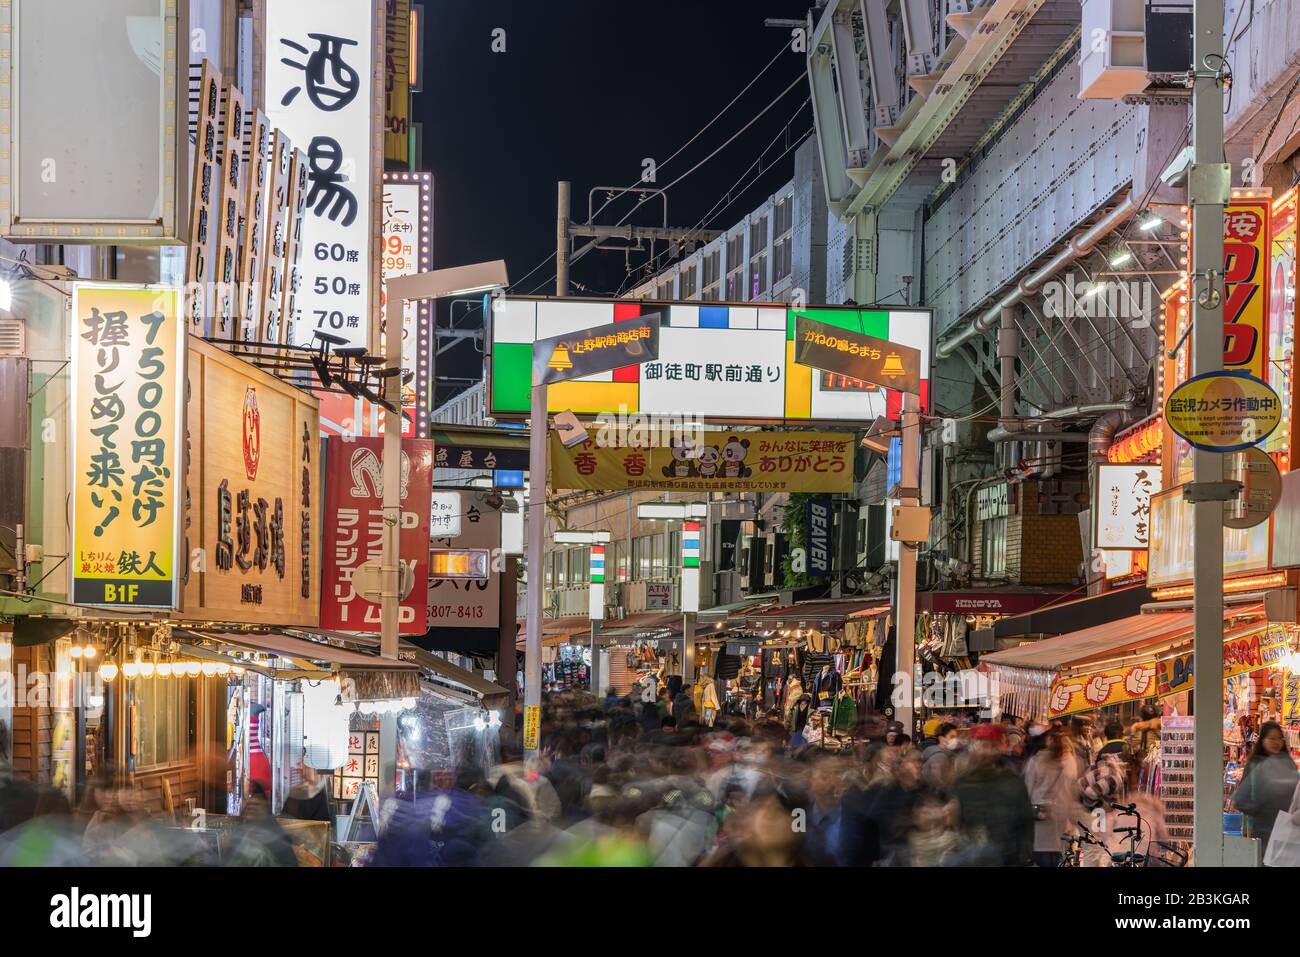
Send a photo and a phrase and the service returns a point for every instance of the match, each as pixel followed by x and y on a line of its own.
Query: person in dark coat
pixel 994 803
pixel 1267 784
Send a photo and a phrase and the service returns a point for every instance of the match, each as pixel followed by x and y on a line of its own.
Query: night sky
pixel 585 90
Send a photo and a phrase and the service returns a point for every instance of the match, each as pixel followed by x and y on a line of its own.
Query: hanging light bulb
pixel 209 668
pixel 108 671
pixel 146 669
pixel 192 668
pixel 223 669
pixel 164 669
pixel 131 670
pixel 90 651
pixel 75 651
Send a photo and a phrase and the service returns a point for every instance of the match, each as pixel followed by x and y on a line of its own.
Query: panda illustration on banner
pixel 708 461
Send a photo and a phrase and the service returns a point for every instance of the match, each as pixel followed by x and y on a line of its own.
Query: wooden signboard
pixel 253 493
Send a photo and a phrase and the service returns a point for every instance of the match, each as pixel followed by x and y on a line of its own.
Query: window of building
pixel 712 265
pixel 162 725
pixel 736 268
pixel 993 550
pixel 578 558
pixel 642 557
pixel 666 289
pixel 758 256
pixel 674 554
pixel 660 561
pixel 783 243
pixel 686 282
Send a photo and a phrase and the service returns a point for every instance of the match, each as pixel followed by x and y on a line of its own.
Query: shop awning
pixel 1114 639
pixel 647 625
pixel 813 614
pixel 1074 615
pixel 738 609
pixel 449 672
pixel 372 677
pixel 556 631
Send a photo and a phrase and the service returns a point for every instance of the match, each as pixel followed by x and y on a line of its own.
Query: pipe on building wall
pixel 1104 430
pixel 1077 247
pixel 1008 350
pixel 1066 412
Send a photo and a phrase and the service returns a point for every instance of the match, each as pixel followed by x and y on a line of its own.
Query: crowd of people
pixel 623 782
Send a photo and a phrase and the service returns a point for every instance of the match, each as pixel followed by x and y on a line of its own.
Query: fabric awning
pixel 556 631
pixel 455 674
pixel 813 614
pixel 1110 640
pixel 1074 615
pixel 645 625
pixel 371 677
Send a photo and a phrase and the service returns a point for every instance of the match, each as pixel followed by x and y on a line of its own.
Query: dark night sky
pixel 584 91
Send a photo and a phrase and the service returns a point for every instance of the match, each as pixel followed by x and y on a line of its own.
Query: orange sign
pixel 1085 692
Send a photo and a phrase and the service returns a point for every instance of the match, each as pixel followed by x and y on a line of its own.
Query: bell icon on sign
pixel 893 366
pixel 560 358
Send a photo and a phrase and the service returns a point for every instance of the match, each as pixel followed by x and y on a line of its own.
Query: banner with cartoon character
pixel 710 461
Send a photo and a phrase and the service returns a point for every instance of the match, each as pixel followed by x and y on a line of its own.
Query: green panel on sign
pixel 690 563
pixel 512 376
pixel 867 321
pixel 598 579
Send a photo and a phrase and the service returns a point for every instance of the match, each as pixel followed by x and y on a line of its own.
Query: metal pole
pixel 595 658
pixel 537 470
pixel 562 239
pixel 1208 188
pixel 905 628
pixel 688 647
pixel 392 505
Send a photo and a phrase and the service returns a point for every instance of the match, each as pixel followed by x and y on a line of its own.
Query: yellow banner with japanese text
pixel 127 375
pixel 708 462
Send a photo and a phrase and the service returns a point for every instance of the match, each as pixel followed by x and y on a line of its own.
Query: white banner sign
pixel 1123 505
pixel 320 90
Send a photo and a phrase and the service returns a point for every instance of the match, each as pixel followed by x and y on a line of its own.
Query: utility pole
pixel 909 493
pixel 1208 189
pixel 566 231
pixel 562 239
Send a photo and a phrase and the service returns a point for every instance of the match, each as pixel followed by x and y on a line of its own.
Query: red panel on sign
pixel 622 312
pixel 354 531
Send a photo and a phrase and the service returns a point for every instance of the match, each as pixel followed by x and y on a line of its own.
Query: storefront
pixel 820 664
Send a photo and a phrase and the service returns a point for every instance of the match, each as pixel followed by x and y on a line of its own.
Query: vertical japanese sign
pixel 1123 507
pixel 206 188
pixel 355 531
pixel 127 422
pixel 397 79
pixel 320 89
pixel 1281 315
pixel 1246 235
pixel 818 536
pixel 408 249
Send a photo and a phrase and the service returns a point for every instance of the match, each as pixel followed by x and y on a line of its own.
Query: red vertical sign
pixel 354 527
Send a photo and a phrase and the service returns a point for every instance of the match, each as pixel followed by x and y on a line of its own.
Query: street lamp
pixel 693 516
pixel 456 281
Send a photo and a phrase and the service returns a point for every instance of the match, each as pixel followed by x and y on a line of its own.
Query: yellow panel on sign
pixel 128 364
pixel 532 726
pixel 708 462
pixel 590 398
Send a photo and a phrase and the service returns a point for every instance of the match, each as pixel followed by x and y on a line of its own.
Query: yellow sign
pixel 532 726
pixel 614 460
pixel 128 349
pixel 1085 692
pixel 1223 411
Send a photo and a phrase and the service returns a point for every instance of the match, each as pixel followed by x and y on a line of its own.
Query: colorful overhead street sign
pixel 724 362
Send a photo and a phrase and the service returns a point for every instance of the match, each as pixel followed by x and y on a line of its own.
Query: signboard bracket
pixel 1211 491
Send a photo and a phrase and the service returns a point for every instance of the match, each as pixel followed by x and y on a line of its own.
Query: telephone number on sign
pixel 457 611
